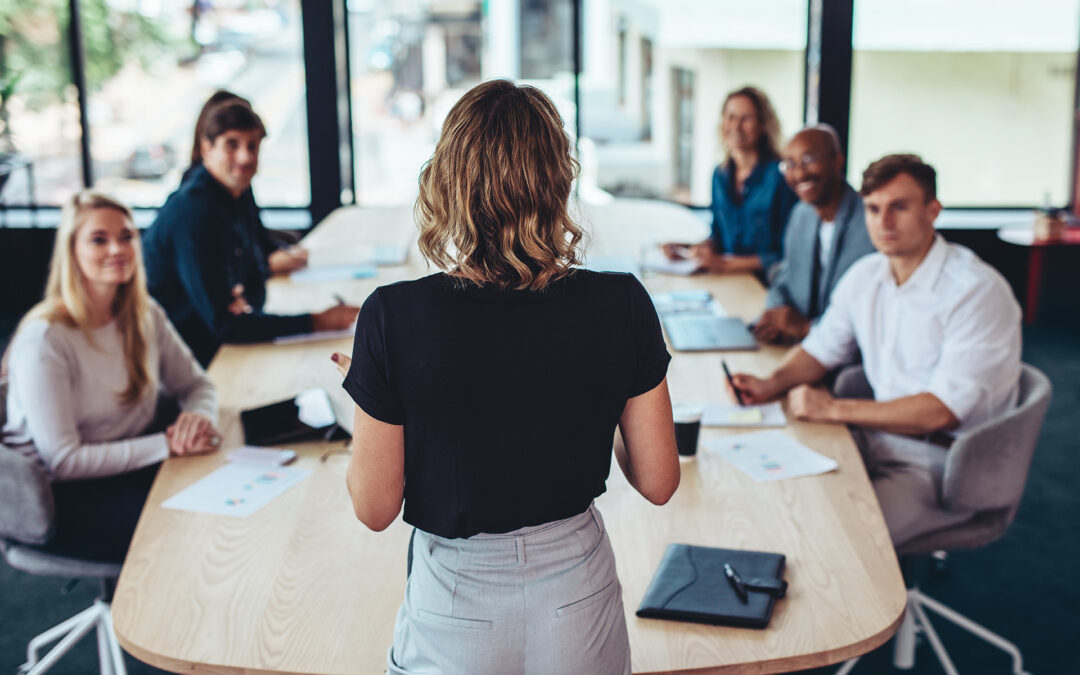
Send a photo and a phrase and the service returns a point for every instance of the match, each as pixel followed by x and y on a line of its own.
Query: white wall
pixel 996 126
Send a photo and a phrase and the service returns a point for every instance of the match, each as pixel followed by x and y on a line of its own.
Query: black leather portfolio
pixel 691 585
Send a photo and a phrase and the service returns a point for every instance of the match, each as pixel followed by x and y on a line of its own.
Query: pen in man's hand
pixel 730 381
pixel 340 300
pixel 736 582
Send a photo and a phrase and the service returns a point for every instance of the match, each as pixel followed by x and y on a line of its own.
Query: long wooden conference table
pixel 302 587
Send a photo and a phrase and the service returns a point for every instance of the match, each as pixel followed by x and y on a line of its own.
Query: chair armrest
pixel 851 382
pixel 987 467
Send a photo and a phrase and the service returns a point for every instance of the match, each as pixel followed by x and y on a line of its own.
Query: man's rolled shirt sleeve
pixel 981 337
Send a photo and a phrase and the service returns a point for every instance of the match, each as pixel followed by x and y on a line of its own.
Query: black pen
pixel 340 300
pixel 738 394
pixel 736 582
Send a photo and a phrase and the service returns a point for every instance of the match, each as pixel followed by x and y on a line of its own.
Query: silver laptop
pixel 705 332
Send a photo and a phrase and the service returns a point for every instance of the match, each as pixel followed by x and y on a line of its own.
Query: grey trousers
pixel 538 600
pixel 906 473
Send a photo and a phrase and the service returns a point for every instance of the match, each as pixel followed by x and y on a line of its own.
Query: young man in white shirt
pixel 939 332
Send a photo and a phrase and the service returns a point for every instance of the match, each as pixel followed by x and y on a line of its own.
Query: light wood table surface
pixel 302 587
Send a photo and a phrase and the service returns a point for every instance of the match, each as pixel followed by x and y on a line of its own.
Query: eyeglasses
pixel 807 160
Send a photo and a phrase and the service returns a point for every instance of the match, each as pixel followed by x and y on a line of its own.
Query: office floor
pixel 1023 586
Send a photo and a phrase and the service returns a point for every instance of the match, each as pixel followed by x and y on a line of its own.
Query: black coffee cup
pixel 687 428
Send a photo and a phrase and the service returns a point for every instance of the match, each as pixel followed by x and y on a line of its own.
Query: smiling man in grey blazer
pixel 825 234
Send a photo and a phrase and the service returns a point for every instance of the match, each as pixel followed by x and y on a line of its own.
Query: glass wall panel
pixel 982 89
pixel 655 74
pixel 150 66
pixel 411 60
pixel 39 114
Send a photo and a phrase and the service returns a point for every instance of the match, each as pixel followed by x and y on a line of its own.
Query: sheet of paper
pixel 768 456
pixel 236 490
pixel 317 336
pixel 312 275
pixel 729 415
pixel 354 256
pixel 314 408
pixel 654 260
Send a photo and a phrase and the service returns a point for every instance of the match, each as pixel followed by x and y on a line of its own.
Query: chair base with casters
pixel 916 623
pixel 96 617
pixel 985 471
pixel 27 515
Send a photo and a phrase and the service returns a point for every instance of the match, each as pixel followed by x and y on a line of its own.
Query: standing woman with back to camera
pixel 488 396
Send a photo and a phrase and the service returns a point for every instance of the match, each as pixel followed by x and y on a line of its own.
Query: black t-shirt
pixel 509 399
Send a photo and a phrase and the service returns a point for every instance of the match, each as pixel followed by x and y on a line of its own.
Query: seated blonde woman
pixel 488 396
pixel 86 367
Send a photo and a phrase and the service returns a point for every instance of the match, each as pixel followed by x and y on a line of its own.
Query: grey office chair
pixel 985 471
pixel 26 522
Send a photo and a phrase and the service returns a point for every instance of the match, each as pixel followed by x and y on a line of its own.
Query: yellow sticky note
pixel 745 416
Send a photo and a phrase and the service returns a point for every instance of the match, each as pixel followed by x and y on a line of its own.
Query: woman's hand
pixel 342 362
pixel 192 434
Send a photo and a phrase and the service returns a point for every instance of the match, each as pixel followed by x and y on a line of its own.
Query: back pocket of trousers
pixel 453 621
pixel 588 601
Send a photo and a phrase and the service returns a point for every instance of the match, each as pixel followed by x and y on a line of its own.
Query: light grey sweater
pixel 63 396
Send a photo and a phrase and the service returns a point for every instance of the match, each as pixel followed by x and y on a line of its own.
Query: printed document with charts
pixel 767 456
pixel 236 489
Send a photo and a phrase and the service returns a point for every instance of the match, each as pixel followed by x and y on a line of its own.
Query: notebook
pixel 704 332
pixel 690 585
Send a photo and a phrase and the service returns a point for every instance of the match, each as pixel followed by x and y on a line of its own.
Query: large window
pixel 412 59
pixel 149 66
pixel 655 74
pixel 39 112
pixel 150 71
pixel 982 89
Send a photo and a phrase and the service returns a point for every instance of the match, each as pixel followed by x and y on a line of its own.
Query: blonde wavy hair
pixel 493 197
pixel 769 142
pixel 67 302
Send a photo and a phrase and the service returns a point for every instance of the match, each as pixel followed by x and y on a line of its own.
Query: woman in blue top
pixel 750 200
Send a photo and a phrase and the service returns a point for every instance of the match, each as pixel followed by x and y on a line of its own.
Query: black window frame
pixel 331 152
